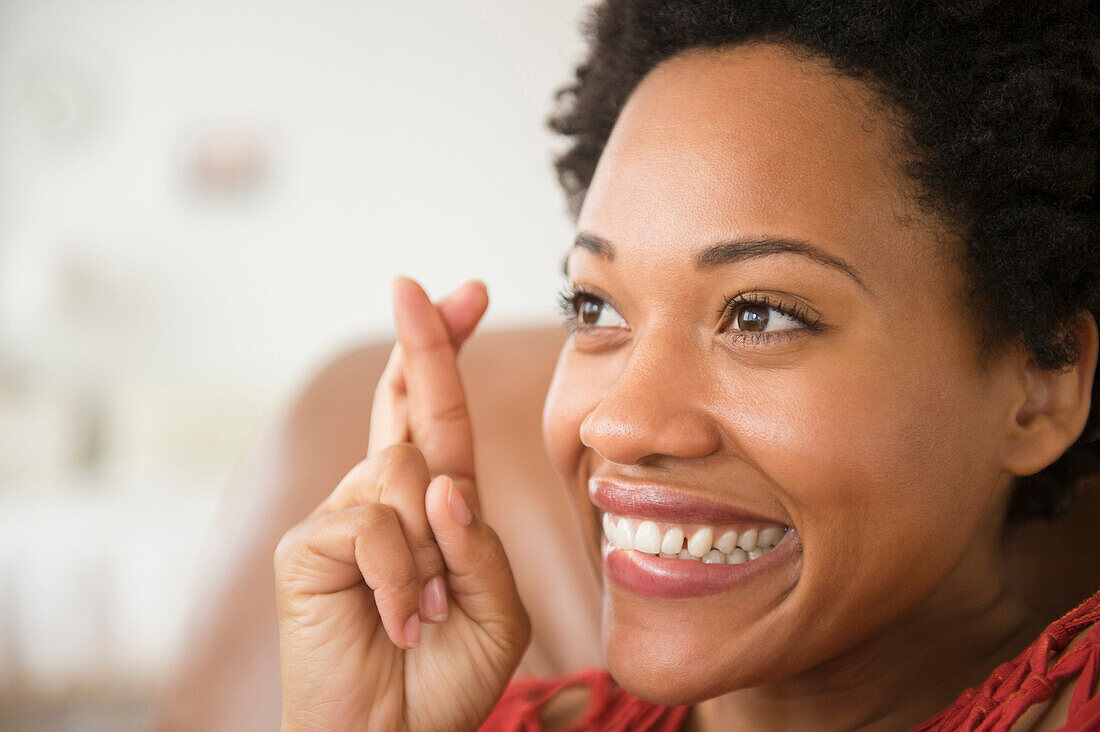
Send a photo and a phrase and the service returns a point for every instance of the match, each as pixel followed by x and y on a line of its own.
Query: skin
pixel 879 437
pixel 396 603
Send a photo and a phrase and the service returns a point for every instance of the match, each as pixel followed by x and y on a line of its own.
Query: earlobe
pixel 1054 406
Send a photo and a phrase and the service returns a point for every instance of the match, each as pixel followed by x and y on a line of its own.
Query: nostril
pixel 628 434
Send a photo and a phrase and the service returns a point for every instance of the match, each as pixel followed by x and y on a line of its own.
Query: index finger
pixel 439 421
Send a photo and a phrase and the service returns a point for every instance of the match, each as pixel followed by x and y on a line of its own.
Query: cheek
pixel 574 392
pixel 879 461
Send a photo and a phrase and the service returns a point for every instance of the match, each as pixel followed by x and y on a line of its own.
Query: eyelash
pixel 571 295
pixel 569 299
pixel 796 311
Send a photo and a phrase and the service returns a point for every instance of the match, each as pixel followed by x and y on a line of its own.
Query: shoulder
pixel 334 401
pixel 1051 685
pixel 1072 672
pixel 583 700
pixel 509 358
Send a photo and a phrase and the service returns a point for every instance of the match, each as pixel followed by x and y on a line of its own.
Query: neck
pixel 900 677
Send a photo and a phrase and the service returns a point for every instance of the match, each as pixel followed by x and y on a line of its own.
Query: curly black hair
pixel 1001 101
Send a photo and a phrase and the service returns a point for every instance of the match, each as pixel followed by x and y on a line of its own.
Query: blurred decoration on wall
pixel 59 306
pixel 59 95
pixel 227 164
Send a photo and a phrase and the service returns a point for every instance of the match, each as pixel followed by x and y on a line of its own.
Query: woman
pixel 832 326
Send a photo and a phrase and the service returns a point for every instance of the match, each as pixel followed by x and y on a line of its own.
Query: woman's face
pixel 770 343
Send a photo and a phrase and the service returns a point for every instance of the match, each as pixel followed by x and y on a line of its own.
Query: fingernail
pixel 459 510
pixel 433 599
pixel 412 631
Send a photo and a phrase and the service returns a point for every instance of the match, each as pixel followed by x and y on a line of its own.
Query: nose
pixel 655 408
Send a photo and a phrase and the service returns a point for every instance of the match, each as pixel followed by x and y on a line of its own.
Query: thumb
pixel 479 576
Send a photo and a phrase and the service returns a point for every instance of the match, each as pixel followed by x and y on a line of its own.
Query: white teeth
pixel 730 548
pixel 769 536
pixel 714 557
pixel 624 535
pixel 701 542
pixel 648 538
pixel 727 543
pixel 674 541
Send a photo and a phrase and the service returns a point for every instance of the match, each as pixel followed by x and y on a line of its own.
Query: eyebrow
pixel 730 251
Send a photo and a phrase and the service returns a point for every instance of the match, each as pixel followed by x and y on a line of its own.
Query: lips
pixel 664 503
pixel 633 566
pixel 659 577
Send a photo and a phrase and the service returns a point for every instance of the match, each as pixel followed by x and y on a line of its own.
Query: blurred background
pixel 201 202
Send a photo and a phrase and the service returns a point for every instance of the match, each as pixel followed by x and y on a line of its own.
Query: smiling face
pixel 767 338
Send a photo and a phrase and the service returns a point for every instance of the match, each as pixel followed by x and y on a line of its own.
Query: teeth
pixel 700 542
pixel 769 536
pixel 648 538
pixel 727 543
pixel 624 535
pixel 730 548
pixel 714 557
pixel 674 541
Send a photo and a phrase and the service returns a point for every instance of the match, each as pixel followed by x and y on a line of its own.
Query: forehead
pixel 748 140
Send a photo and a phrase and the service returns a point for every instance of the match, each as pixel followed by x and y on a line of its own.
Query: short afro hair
pixel 1001 100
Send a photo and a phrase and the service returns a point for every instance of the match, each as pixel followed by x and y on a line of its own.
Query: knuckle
pixel 490 552
pixel 359 479
pixel 375 518
pixel 439 347
pixel 289 550
pixel 401 457
pixel 402 586
pixel 428 556
pixel 282 553
pixel 455 411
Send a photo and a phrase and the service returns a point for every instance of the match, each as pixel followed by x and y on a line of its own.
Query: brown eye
pixel 752 318
pixel 584 311
pixel 760 318
pixel 589 311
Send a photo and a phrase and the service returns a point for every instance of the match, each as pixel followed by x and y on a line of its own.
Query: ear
pixel 1052 406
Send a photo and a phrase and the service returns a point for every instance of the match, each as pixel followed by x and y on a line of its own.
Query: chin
pixel 670 667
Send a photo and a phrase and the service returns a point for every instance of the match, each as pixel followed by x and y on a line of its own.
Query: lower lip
pixel 655 576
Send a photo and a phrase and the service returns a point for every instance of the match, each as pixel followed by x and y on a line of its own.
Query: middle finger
pixel 439 420
pixel 389 422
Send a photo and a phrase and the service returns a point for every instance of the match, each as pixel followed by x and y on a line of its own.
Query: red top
pixel 1026 680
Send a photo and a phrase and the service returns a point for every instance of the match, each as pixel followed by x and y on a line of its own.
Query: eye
pixel 758 318
pixel 583 310
pixel 752 318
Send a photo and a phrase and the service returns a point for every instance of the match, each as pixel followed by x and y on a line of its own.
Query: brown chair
pixel 228 678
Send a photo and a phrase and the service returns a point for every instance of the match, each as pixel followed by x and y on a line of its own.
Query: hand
pixel 367 636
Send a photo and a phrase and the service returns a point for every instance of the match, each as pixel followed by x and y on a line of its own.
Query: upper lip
pixel 665 503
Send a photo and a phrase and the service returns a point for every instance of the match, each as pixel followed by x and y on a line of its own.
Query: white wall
pixel 147 327
pixel 404 137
